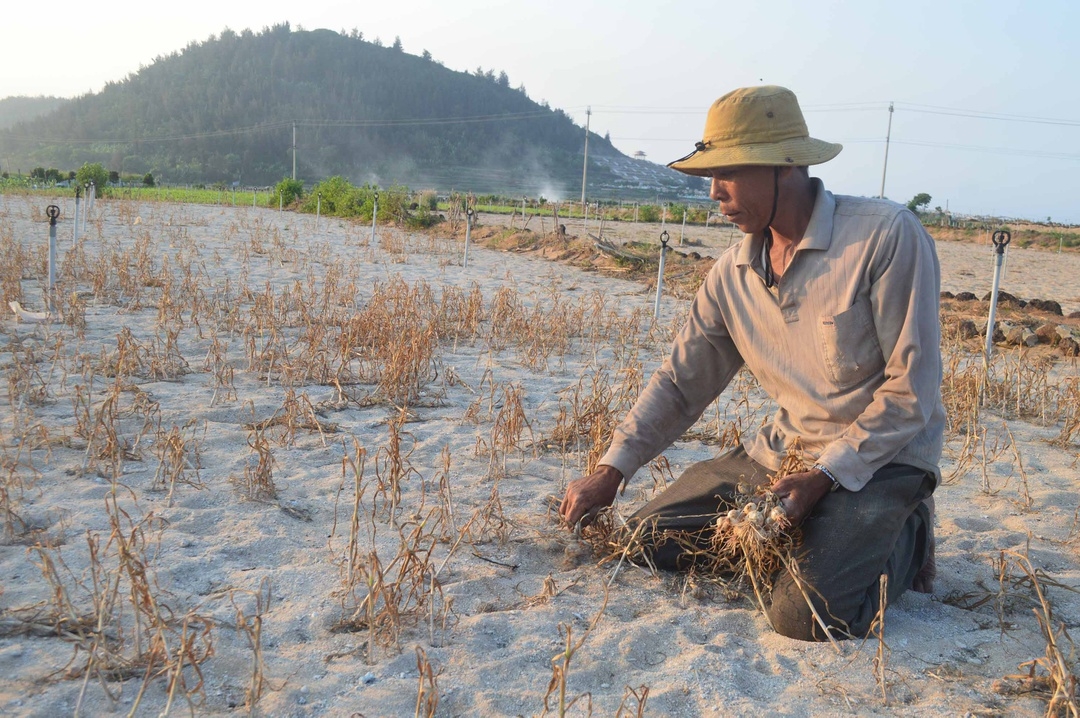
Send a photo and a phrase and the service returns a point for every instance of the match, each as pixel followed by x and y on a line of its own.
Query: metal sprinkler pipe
pixel 468 234
pixel 374 216
pixel 660 275
pixel 75 229
pixel 52 211
pixel 88 206
pixel 1001 240
pixel 318 211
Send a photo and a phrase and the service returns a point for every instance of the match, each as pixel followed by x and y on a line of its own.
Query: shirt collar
pixel 818 234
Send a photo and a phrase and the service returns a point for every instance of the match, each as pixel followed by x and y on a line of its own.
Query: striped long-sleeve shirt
pixel 847 344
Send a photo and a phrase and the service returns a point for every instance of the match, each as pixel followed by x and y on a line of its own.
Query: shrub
pixel 93 172
pixel 290 190
pixel 429 200
pixel 339 198
pixel 649 213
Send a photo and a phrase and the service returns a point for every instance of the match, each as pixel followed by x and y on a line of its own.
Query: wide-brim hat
pixel 755 126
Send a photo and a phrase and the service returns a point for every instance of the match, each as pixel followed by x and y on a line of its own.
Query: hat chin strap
pixel 770 280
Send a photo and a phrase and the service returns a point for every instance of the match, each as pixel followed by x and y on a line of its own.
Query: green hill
pixel 223 110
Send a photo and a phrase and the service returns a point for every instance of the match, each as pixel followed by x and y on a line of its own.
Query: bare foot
pixel 924 579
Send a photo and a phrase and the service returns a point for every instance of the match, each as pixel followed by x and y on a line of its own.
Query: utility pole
pixel 884 169
pixel 294 150
pixel 585 166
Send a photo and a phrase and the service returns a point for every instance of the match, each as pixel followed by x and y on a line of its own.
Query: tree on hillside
pixel 920 200
pixel 397 43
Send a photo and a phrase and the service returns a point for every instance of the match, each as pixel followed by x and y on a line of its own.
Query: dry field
pixel 259 465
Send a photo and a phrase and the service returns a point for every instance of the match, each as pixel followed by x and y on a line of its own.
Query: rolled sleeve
pixel 702 362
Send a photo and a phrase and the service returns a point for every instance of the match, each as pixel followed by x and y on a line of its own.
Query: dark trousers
pixel 848 541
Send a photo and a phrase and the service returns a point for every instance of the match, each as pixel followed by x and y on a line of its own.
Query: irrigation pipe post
pixel 1001 241
pixel 86 208
pixel 468 234
pixel 318 211
pixel 660 275
pixel 682 232
pixel 75 230
pixel 280 200
pixel 585 220
pixel 254 196
pixel 374 216
pixel 52 211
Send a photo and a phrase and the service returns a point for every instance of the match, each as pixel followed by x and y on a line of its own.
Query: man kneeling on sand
pixel 832 303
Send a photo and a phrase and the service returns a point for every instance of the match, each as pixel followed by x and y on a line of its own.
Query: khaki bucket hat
pixel 755 126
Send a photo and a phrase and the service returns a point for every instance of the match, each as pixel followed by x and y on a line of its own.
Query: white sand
pixel 698 653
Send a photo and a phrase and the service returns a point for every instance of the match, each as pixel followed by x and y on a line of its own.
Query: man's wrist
pixel 610 468
pixel 828 474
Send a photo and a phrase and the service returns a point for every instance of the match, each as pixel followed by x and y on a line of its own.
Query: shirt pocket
pixel 850 345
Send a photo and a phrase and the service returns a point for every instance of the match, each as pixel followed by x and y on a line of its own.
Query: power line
pixel 934 110
pixel 993 150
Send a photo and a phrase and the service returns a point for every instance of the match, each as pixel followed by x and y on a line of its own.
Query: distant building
pixel 639 155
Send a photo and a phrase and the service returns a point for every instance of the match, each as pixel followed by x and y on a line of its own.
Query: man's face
pixel 745 194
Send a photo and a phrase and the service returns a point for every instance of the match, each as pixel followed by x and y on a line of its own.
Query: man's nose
pixel 716 191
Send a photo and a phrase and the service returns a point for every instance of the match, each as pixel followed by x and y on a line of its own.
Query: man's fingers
pixel 589 516
pixel 573 516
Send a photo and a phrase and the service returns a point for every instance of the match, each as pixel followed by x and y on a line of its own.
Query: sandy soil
pixel 501 585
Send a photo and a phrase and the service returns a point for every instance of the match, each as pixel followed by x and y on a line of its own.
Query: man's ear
pixel 788 172
pixel 791 175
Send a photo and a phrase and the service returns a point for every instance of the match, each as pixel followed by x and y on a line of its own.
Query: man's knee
pixel 791 616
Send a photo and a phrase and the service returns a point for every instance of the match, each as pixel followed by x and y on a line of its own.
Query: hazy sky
pixel 987 97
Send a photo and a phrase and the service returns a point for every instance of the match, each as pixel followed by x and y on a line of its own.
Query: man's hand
pixel 799 493
pixel 587 495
